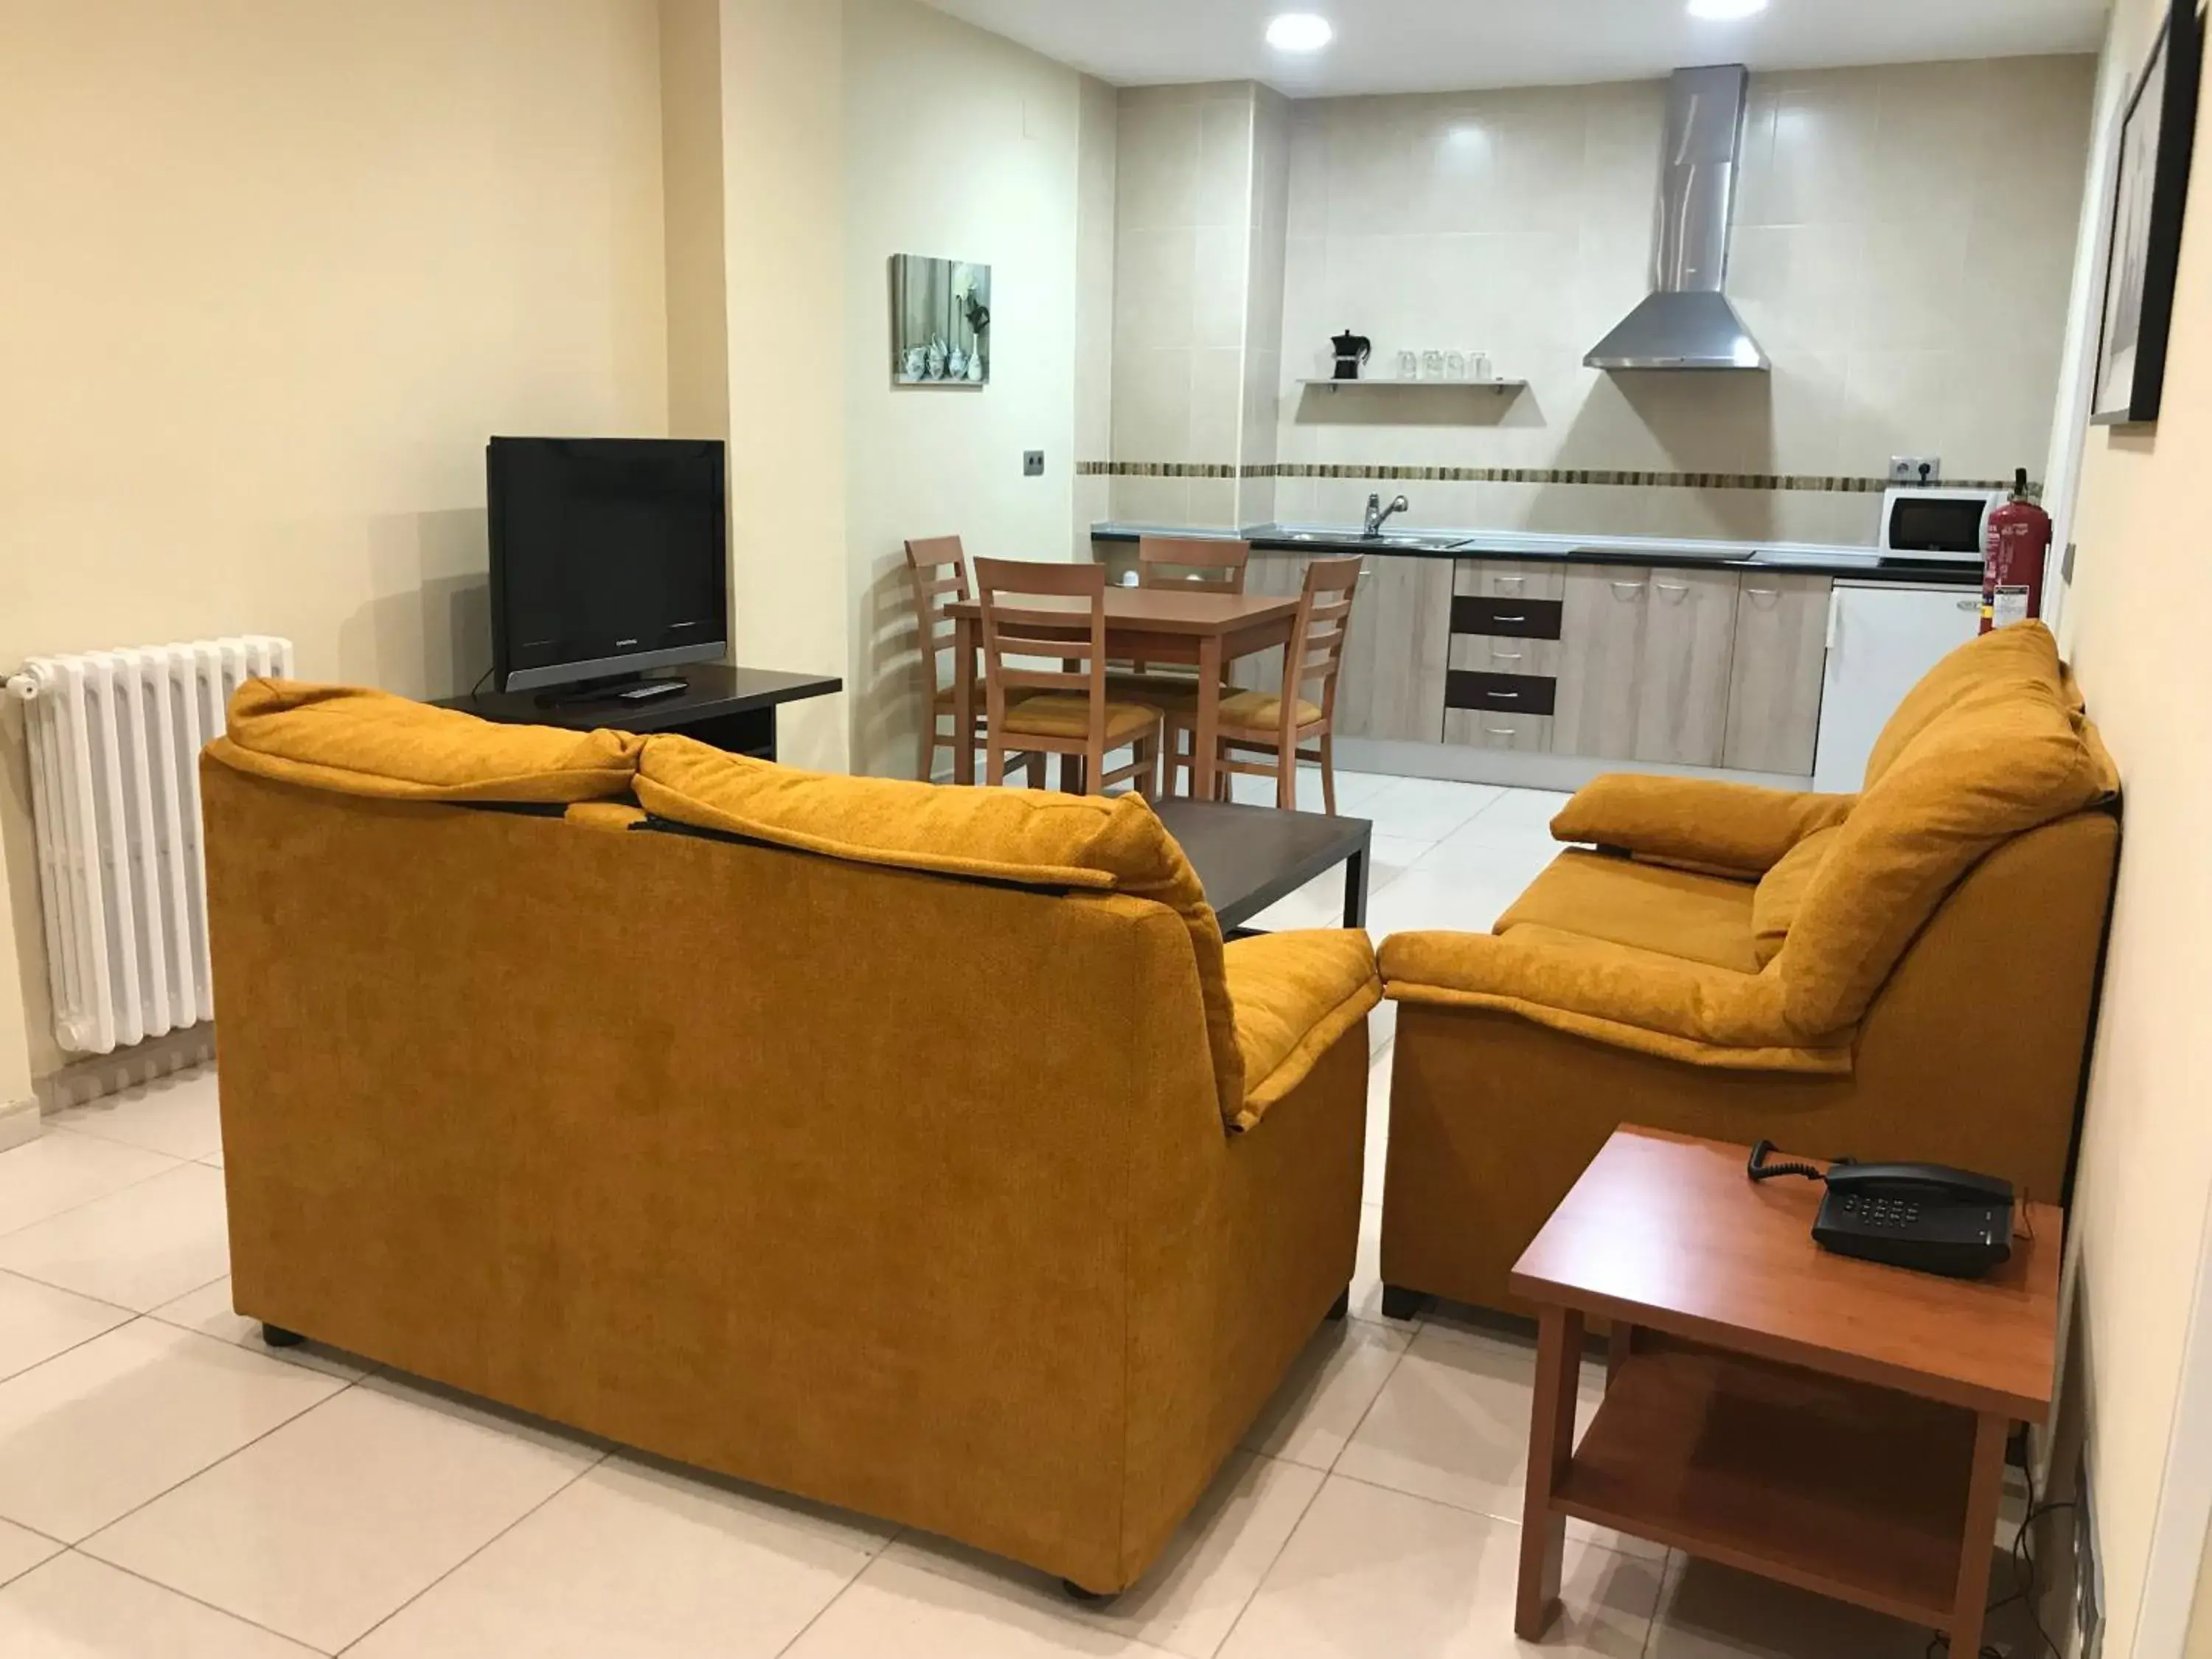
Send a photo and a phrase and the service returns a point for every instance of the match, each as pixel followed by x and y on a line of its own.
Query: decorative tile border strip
pixel 1600 477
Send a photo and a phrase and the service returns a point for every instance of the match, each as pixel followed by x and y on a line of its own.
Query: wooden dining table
pixel 1143 625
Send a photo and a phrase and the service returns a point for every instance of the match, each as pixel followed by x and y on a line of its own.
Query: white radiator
pixel 114 739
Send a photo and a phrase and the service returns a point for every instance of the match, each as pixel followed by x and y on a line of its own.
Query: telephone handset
pixel 1921 1216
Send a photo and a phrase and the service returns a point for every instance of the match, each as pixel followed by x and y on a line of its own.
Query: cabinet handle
pixel 1633 587
pixel 1509 619
pixel 1672 588
pixel 1515 581
pixel 1506 656
pixel 1504 696
pixel 1501 731
pixel 1764 592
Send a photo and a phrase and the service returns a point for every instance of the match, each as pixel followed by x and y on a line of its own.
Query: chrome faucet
pixel 1378 515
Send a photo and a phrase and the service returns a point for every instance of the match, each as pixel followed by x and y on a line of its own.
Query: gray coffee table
pixel 1249 857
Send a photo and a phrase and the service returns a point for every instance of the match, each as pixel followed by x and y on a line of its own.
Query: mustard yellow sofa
pixel 1905 974
pixel 918 1150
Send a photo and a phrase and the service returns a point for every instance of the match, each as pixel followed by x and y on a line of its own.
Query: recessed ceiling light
pixel 1725 11
pixel 1301 31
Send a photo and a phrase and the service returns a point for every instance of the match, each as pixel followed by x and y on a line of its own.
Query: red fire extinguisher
pixel 2015 549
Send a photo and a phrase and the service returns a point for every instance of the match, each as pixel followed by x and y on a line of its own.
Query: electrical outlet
pixel 1916 469
pixel 1033 464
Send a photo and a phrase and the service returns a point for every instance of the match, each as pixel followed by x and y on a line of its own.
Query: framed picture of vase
pixel 940 322
pixel 2158 129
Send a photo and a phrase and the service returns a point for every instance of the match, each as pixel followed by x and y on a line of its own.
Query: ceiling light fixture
pixel 1725 11
pixel 1300 31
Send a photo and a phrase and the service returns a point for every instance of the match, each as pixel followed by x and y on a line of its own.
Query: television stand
pixel 627 691
pixel 728 709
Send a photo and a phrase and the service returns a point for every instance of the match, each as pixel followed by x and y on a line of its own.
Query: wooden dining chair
pixel 1179 564
pixel 937 573
pixel 1065 710
pixel 1274 724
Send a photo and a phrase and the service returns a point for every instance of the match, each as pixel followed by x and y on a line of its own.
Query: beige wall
pixel 783 170
pixel 275 271
pixel 693 223
pixel 959 145
pixel 2137 639
pixel 1903 249
pixel 1182 295
pixel 1098 163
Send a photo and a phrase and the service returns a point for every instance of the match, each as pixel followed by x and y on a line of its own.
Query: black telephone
pixel 1921 1216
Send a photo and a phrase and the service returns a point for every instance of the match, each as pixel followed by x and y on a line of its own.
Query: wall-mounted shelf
pixel 1500 386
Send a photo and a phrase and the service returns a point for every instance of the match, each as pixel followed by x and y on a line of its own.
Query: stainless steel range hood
pixel 1687 323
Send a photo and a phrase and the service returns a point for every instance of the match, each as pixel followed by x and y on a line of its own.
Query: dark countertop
pixel 1801 558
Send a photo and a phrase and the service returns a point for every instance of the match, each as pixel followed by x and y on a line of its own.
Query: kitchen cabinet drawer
pixel 1528 619
pixel 1479 728
pixel 1499 653
pixel 1504 694
pixel 1511 579
pixel 1774 682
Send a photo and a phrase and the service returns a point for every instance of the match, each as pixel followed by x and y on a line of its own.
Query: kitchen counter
pixel 1803 558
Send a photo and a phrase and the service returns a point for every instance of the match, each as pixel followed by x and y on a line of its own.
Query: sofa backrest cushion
pixel 2005 752
pixel 1020 836
pixel 351 741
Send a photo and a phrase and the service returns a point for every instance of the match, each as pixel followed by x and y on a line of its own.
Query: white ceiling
pixel 1439 46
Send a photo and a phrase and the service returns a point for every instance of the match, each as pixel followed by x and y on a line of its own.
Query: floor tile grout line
pixel 596 1462
pixel 128 1319
pixel 59 1127
pixel 1261 1583
pixel 1397 1360
pixel 822 1612
pixel 344 1384
pixel 136 1313
pixel 175 1165
pixel 197 1601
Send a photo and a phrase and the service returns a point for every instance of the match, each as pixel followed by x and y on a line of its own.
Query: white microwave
pixel 1938 523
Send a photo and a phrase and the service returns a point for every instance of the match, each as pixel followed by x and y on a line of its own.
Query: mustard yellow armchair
pixel 1907 972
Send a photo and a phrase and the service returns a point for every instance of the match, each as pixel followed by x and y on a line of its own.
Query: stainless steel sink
pixel 1351 540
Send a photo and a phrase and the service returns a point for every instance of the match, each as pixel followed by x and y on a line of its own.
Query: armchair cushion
pixel 1617 995
pixel 1652 907
pixel 1296 994
pixel 1737 829
pixel 2007 755
pixel 1022 835
pixel 356 742
pixel 1775 901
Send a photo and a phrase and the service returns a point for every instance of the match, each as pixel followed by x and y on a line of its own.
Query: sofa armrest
pixel 1613 993
pixel 1295 994
pixel 1729 828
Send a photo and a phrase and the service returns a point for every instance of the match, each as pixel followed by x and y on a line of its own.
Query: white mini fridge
pixel 1882 637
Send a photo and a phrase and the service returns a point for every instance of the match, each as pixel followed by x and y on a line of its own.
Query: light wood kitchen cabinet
pixel 1682 688
pixel 1774 685
pixel 1398 652
pixel 1274 576
pixel 1601 659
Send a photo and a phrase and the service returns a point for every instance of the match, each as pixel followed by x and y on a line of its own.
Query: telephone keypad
pixel 1882 1211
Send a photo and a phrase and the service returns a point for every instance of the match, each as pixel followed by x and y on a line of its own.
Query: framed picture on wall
pixel 940 322
pixel 2157 130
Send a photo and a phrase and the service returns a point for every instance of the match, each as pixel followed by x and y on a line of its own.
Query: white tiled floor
pixel 168 1486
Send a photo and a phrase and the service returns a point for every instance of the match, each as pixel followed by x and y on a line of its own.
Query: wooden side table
pixel 1833 1424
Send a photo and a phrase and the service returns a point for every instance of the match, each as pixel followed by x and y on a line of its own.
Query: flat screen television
pixel 608 558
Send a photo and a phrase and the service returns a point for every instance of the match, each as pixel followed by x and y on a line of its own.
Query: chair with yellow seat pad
pixel 1904 975
pixel 1065 711
pixel 1273 725
pixel 937 571
pixel 1179 564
